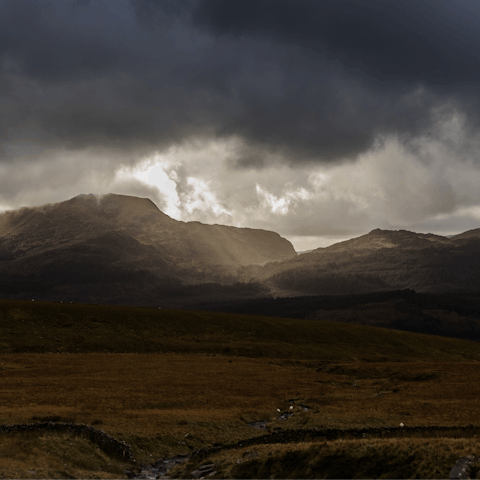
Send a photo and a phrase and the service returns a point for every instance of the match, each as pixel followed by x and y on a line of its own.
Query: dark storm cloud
pixel 367 67
pixel 60 41
pixel 84 74
pixel 299 80
pixel 431 41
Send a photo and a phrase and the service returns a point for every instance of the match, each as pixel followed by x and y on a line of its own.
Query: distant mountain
pixel 114 247
pixel 381 260
pixel 379 239
pixel 124 250
pixel 470 234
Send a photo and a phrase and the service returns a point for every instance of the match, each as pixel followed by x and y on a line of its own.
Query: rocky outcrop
pixel 159 469
pixel 203 471
pixel 466 467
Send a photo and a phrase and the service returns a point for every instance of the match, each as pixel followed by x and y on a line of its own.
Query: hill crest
pixel 378 238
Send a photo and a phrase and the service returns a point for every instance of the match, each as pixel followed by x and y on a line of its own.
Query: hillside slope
pixel 379 261
pixel 118 248
pixel 50 327
pixel 40 229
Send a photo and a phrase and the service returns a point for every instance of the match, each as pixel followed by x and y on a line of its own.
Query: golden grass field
pixel 153 401
pixel 168 403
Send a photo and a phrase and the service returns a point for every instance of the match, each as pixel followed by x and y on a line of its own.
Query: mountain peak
pixel 85 217
pixel 83 195
pixel 124 208
pixel 109 198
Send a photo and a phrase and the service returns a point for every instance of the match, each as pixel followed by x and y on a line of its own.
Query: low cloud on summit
pixel 320 120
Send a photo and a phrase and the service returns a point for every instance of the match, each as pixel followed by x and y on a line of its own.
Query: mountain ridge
pixel 87 216
pixel 122 249
pixel 118 248
pixel 380 260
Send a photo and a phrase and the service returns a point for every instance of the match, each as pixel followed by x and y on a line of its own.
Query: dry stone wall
pixel 107 443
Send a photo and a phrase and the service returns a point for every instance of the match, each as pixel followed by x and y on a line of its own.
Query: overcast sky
pixel 320 120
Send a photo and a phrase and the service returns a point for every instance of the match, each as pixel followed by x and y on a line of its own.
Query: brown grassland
pixel 195 385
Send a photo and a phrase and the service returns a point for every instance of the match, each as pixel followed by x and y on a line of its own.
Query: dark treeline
pixel 451 314
pixel 463 303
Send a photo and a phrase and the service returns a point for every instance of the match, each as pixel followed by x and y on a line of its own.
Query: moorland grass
pixel 170 382
pixel 41 327
pixel 55 455
pixel 167 404
pixel 363 458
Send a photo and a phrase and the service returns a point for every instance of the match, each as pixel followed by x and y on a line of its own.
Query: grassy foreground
pixel 190 379
pixel 169 404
